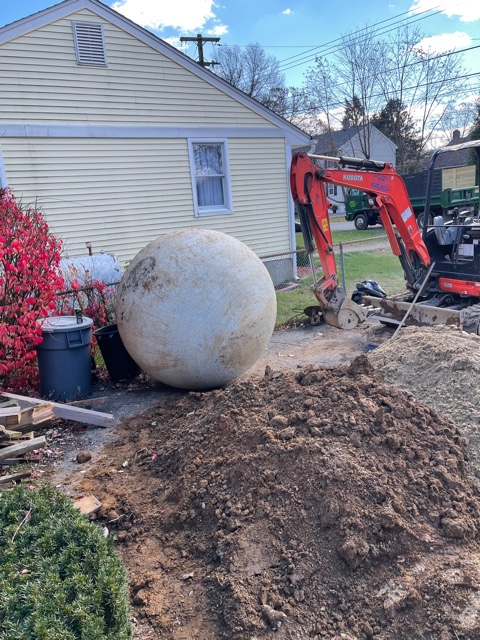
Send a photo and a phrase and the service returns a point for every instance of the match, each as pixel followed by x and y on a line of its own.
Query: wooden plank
pixel 87 403
pixel 29 416
pixel 9 434
pixel 13 477
pixel 22 447
pixel 67 412
pixel 9 411
pixel 8 403
pixel 10 461
pixel 21 437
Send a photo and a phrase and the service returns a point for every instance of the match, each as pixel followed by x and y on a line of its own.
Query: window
pixel 210 177
pixel 89 43
pixel 332 189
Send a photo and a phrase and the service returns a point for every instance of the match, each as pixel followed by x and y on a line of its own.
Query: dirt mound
pixel 321 504
pixel 441 366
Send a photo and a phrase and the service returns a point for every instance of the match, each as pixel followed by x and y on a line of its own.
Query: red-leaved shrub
pixel 29 278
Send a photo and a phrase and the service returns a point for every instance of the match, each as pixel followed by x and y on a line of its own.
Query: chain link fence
pixel 368 258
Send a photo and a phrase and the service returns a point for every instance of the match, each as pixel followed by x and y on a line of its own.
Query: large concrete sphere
pixel 196 308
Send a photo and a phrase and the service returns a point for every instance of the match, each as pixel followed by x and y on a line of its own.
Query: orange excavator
pixel 441 262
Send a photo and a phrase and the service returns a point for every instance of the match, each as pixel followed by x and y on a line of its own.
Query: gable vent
pixel 89 43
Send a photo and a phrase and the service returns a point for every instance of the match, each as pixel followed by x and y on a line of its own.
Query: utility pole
pixel 200 40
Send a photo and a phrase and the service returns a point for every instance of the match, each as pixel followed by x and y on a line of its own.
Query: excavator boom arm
pixel 392 198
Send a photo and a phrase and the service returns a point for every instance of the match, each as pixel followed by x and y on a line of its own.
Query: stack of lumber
pixel 17 436
pixel 20 415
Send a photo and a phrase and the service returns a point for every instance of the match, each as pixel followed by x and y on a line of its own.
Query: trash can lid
pixel 64 323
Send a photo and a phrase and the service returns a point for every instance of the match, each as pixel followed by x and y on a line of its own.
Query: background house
pixel 354 142
pixel 119 137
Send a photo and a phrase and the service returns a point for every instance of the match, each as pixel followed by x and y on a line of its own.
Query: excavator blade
pixel 393 312
pixel 348 316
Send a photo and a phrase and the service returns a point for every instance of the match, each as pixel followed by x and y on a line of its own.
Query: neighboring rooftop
pixel 454 158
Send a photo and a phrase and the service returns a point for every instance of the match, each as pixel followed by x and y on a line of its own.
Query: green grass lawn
pixel 347 236
pixel 378 264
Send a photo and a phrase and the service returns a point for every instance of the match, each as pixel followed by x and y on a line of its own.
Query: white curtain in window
pixel 209 174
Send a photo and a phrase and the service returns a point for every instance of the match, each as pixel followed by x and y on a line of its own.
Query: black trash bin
pixel 120 365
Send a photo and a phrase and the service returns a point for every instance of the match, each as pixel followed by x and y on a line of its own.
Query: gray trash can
pixel 64 360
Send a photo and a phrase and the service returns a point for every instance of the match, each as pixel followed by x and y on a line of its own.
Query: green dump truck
pixel 361 207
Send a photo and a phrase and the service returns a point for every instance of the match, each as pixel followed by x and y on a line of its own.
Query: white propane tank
pixel 196 308
pixel 101 266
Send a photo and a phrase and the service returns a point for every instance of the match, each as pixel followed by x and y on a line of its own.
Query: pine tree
pixel 475 135
pixel 354 111
pixel 396 123
pixel 475 130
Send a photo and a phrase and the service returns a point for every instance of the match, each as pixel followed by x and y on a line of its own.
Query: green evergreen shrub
pixel 60 578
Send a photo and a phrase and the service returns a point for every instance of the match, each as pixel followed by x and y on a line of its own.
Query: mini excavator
pixel 441 262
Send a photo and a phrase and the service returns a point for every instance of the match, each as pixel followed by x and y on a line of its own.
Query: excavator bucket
pixel 348 315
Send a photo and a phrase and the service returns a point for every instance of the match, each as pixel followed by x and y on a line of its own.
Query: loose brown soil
pixel 314 503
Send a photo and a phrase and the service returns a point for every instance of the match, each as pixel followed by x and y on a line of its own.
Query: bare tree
pixel 323 101
pixel 460 117
pixel 346 86
pixel 369 72
pixel 257 73
pixel 426 83
pixel 250 69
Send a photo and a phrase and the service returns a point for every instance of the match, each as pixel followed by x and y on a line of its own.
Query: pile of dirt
pixel 441 367
pixel 317 504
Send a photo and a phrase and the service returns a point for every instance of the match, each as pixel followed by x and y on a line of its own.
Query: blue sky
pixel 287 28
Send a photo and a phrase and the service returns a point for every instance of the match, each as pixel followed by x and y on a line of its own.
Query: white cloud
pixel 218 30
pixel 175 42
pixel 287 12
pixel 188 15
pixel 444 42
pixel 466 10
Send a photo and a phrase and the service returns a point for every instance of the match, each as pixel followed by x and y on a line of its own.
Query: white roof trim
pixel 66 8
pixel 40 130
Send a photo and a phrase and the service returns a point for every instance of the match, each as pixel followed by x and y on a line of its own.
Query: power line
pixel 411 64
pixel 340 38
pixel 418 86
pixel 332 49
pixel 327 44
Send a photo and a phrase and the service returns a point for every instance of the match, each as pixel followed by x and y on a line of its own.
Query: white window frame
pixel 3 174
pixel 227 207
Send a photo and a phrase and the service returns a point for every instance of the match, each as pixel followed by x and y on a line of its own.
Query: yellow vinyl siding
pixel 140 85
pixel 122 193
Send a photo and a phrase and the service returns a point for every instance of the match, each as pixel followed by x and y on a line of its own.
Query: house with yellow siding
pixel 119 137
